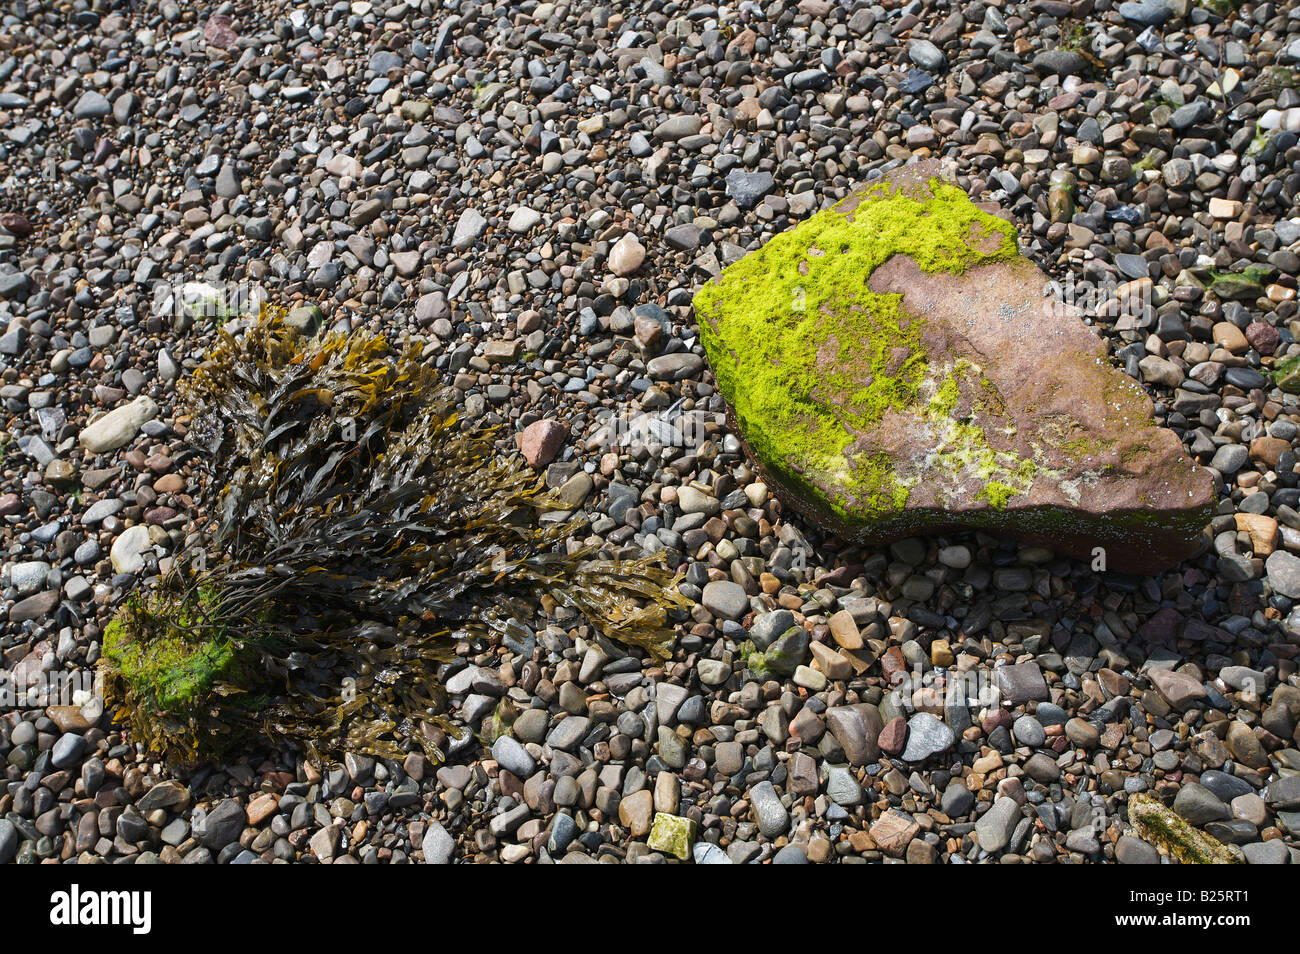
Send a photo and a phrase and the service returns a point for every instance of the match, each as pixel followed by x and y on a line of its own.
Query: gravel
pixel 537 196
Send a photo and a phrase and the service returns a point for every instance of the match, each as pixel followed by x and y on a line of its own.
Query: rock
pixel 305 319
pixel 927 735
pixel 674 367
pixel 1274 852
pixel 1283 574
pixel 790 855
pixel 227 184
pixel 15 285
pixel 523 219
pixel 127 552
pixel 927 56
pixel 218 31
pixel 513 757
pixel 842 787
pixel 1134 851
pixel 91 105
pixel 856 728
pixel 677 127
pixel 119 426
pixel 37 606
pixel 8 841
pixel 1284 793
pixel 1172 835
pixel 893 737
pixel 726 599
pixel 747 188
pixel 541 441
pixel 222 825
pixel 893 831
pixel 1028 731
pixel 1146 12
pixel 672 834
pixel 1021 683
pixel 974 405
pixel 635 812
pixel 68 750
pixel 626 256
pixel 994 828
pixel 1061 62
pixel 705 853
pixel 1179 689
pixel 438 845
pixel 957 799
pixel 772 817
pixel 771 626
pixel 469 228
pixel 1199 805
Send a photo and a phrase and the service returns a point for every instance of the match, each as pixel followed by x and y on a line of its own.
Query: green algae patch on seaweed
pixel 172 669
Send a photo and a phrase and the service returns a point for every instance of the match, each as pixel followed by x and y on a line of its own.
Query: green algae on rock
pixel 361 530
pixel 1171 835
pixel 893 366
pixel 672 834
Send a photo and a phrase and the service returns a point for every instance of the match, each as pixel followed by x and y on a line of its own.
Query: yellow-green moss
pixel 809 357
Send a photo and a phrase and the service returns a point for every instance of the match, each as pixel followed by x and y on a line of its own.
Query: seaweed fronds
pixel 360 529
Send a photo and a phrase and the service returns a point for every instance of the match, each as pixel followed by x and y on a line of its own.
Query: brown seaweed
pixel 361 528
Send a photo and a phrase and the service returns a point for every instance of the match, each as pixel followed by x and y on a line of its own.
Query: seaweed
pixel 360 530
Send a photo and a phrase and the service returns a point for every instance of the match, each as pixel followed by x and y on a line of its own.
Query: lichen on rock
pixel 894 367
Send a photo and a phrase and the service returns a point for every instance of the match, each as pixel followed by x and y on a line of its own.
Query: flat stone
pixel 513 757
pixel 927 735
pixel 892 832
pixel 127 552
pixel 772 817
pixel 1199 805
pixel 747 188
pixel 541 441
pixel 856 728
pixel 469 228
pixel 994 828
pixel 1283 574
pixel 1178 688
pixel 119 426
pixel 1131 850
pixel 1021 683
pixel 438 846
pixel 726 599
pixel 1274 852
pixel 626 256
pixel 673 835
pixel 980 404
